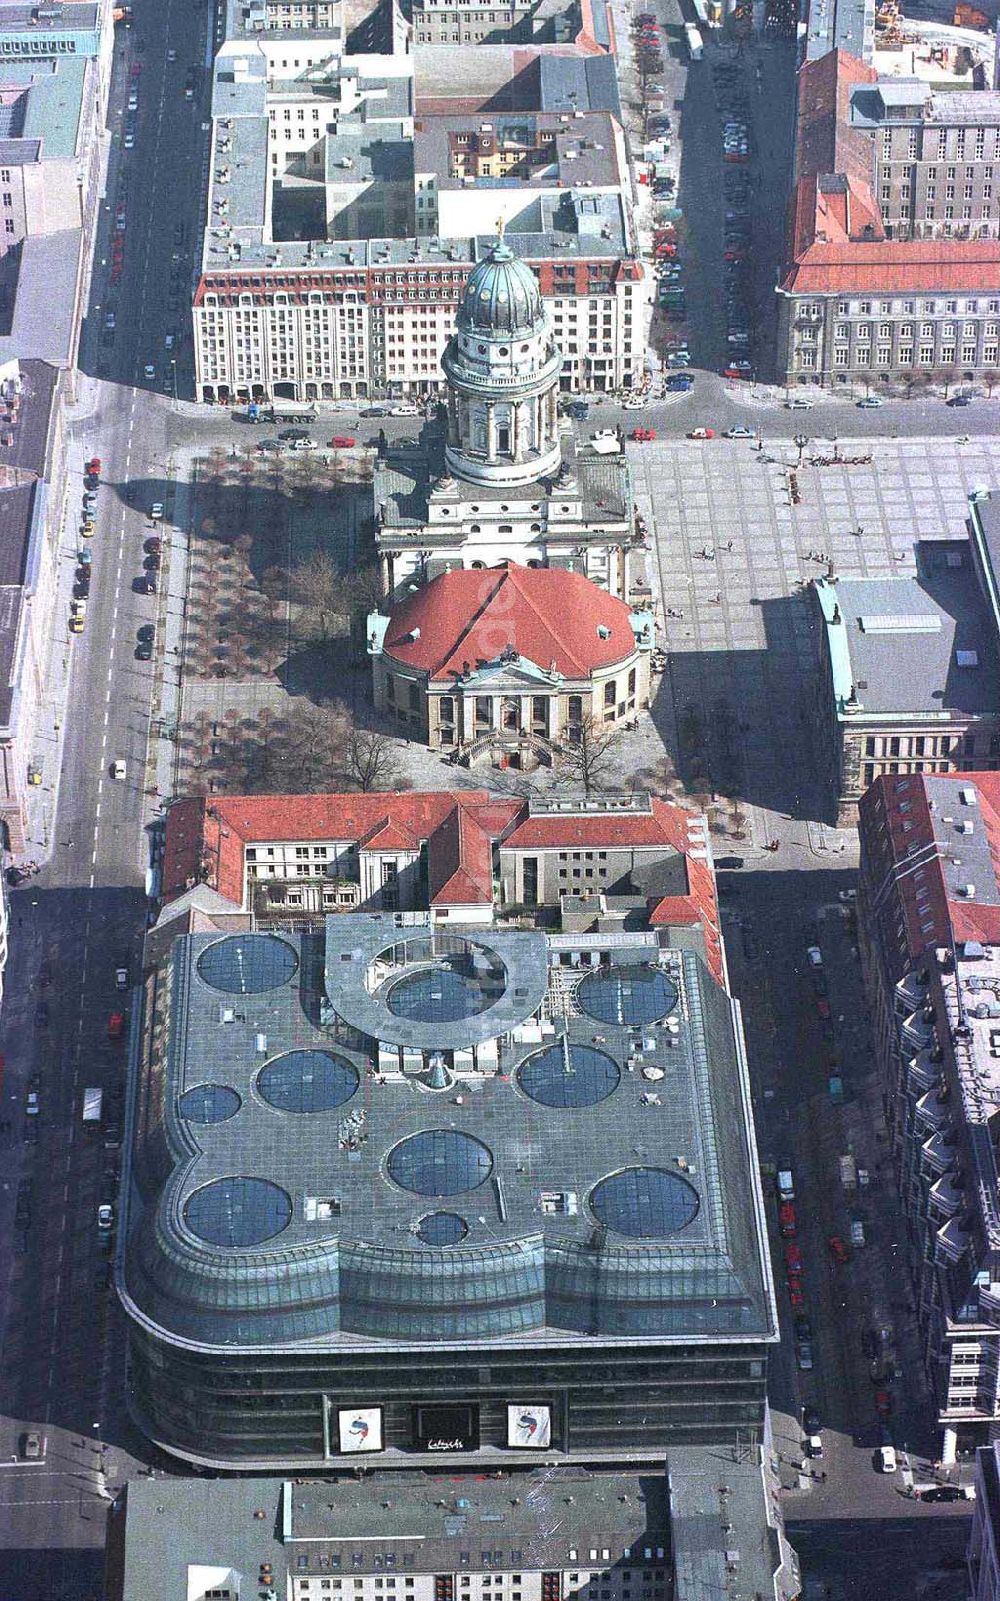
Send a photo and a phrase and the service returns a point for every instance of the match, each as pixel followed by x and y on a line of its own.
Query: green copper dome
pixel 501 295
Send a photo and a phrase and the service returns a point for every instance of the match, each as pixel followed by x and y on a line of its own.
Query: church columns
pixel 453 431
pixel 491 431
pixel 551 405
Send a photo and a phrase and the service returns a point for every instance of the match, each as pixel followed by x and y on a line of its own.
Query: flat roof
pixel 45 300
pixel 584 151
pixel 55 108
pixel 596 1178
pixel 405 1522
pixel 923 644
pixel 402 480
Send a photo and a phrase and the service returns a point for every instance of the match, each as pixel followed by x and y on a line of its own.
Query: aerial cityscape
pixel 500 799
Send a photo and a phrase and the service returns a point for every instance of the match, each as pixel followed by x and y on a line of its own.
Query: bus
pixel 692 35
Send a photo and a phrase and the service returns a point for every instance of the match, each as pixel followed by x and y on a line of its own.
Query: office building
pixel 509 664
pixel 929 936
pixel 550 1198
pixel 908 672
pixel 537 1536
pixel 322 274
pixel 861 298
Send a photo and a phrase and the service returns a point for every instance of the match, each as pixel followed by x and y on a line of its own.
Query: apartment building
pixel 862 297
pixel 929 935
pixel 984 1540
pixel 538 1536
pixel 909 673
pixel 936 157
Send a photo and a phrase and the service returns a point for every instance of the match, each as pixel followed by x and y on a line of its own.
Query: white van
pixel 886 1459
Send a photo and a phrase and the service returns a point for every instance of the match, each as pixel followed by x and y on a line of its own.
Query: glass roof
pixel 439 995
pixel 627 994
pixel 307 1081
pixel 238 1211
pixel 247 964
pixel 566 1075
pixel 644 1202
pixel 440 1161
pixel 442 1228
pixel 209 1103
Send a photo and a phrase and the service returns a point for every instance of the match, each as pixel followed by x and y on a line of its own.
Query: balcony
pixel 930 1111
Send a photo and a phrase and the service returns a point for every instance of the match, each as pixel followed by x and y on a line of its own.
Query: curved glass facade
pixel 627 994
pixel 566 1075
pixel 440 1161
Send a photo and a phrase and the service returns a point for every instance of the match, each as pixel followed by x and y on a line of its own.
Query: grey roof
pixel 903 655
pixel 579 83
pixel 12 602
pixel 378 153
pixel 402 478
pixel 403 1522
pixel 15 528
pixel 29 450
pixel 58 19
pixel 840 25
pixel 723 1537
pixel 45 304
pixel 530 1267
pixel 965 858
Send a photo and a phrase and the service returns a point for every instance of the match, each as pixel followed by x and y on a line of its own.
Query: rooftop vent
pixel 967 795
pixel 969 891
pixel 967 658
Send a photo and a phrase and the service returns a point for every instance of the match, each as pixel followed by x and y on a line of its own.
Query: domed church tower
pixel 502 367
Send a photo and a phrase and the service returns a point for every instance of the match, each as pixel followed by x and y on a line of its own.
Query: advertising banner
pixel 360 1429
pixel 529 1426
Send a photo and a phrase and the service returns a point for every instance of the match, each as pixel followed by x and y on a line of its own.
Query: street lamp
pixel 802 441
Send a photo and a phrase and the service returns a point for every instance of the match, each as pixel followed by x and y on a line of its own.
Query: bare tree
pixel 591 752
pixel 370 760
pixel 317 586
pixel 317 736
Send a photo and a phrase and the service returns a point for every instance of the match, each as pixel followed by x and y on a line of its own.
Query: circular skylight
pixel 440 1161
pixel 307 1081
pixel 247 964
pixel 644 1202
pixel 628 995
pixel 442 1228
pixel 209 1103
pixel 238 1211
pixel 567 1075
pixel 439 995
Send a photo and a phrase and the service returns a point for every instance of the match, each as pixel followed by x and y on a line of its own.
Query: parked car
pixel 838 1250
pixel 793 1257
pixel 883 1403
pixel 740 431
pixel 105 1217
pixel 679 383
pixel 795 1294
pixel 814 956
pixel 885 1459
pixel 116 1025
pixel 643 436
pixel 799 403
pixel 32 1446
pixel 701 433
pixel 870 403
pixel 787 1222
pixel 343 442
pixel 804 1355
pixel 803 1327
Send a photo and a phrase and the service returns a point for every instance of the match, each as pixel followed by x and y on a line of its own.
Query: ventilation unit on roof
pixel 969 891
pixel 966 658
pixel 966 826
pixel 967 795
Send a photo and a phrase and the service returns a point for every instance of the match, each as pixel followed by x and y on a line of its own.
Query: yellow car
pixel 76 625
pixel 87 530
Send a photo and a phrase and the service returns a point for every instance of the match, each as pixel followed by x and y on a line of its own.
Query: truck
pixel 279 411
pixel 93 1101
pixel 692 38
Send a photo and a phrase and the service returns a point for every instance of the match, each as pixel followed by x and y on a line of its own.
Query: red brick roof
pixel 556 619
pixel 206 839
pixel 837 242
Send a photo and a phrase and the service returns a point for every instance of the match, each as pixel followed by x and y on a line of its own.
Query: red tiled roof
pixel 205 841
pixel 837 242
pixel 919 266
pixel 547 615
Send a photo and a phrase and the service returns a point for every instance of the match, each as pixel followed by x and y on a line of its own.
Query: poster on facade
pixel 529 1426
pixel 360 1429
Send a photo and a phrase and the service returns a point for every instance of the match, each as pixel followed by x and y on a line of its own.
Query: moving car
pixel 679 383
pixel 815 956
pixel 838 1250
pixel 156 511
pixel 118 768
pixel 116 1025
pixel 870 403
pixel 799 403
pixel 105 1217
pixel 958 400
pixel 701 433
pixel 883 1403
pixel 642 436
pixel 149 371
pixel 740 431
pixel 121 978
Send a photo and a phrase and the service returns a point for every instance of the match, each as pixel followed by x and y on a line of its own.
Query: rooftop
pixel 919 645
pixel 38 297
pixel 598 1171
pixel 462 619
pixel 402 479
pixel 409 1522
pixel 584 151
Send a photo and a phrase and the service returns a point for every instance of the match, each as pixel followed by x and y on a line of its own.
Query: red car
pixel 823 1006
pixel 116 1025
pixel 733 371
pixel 664 250
pixel 342 442
pixel 787 1221
pixel 702 433
pixel 795 1294
pixel 92 468
pixel 883 1403
pixel 136 71
pixel 642 436
pixel 838 1250
pixel 793 1257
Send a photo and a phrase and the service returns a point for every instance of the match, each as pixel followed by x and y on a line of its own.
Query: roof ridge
pixel 547 622
pixel 470 623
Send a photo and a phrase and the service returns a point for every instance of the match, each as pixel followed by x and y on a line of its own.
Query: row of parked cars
pixel 730 96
